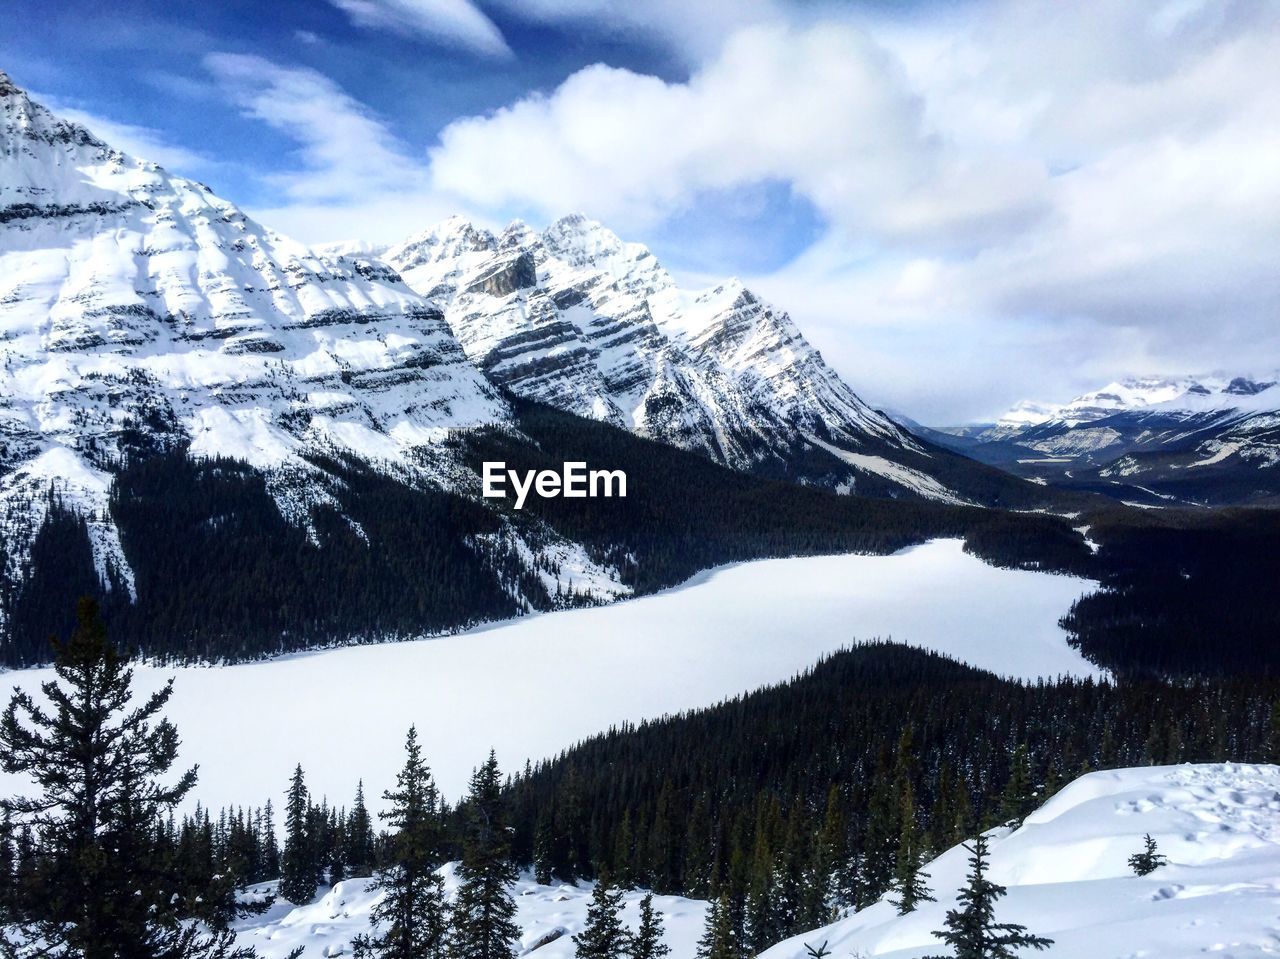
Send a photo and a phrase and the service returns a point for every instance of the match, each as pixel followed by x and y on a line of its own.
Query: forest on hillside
pixel 783 806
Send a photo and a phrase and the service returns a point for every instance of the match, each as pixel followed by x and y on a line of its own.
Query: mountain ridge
pixel 178 378
pixel 1182 440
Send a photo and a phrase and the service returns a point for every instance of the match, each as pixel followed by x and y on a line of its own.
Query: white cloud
pixel 354 178
pixel 457 23
pixel 1020 199
pixel 824 108
pixel 1049 191
pixel 346 151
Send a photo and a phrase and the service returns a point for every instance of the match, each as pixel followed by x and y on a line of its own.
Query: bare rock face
pixel 503 279
pixel 577 318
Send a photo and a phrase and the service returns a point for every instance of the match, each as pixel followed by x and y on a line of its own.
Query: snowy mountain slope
pixel 140 313
pixel 576 318
pixel 1065 870
pixel 151 334
pixel 137 308
pixel 1068 879
pixel 1209 440
pixel 548 916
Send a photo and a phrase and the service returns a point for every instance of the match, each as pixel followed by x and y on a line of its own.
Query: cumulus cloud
pixel 1018 198
pixel 457 23
pixel 825 109
pixel 1086 188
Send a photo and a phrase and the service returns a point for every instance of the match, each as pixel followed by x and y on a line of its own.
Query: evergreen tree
pixel 909 876
pixel 8 871
pixel 360 839
pixel 972 930
pixel 647 942
pixel 96 757
pixel 1019 792
pixel 544 846
pixel 718 939
pixel 270 848
pixel 603 935
pixel 1148 861
pixel 411 913
pixel 832 878
pixel 762 924
pixel 299 870
pixel 483 915
pixel 337 846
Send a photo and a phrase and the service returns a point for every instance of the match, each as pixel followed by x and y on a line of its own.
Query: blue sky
pixel 963 204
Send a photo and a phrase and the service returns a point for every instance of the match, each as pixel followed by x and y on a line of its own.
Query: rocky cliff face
pixel 577 318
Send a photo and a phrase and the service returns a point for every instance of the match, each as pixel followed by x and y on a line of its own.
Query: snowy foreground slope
pixel 555 913
pixel 1068 878
pixel 534 686
pixel 1066 871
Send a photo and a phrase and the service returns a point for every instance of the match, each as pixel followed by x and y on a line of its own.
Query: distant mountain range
pixel 1210 440
pixel 168 360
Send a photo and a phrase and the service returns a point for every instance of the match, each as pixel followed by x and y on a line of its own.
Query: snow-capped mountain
pixel 1068 878
pixel 139 309
pixel 1207 439
pixel 145 320
pixel 575 317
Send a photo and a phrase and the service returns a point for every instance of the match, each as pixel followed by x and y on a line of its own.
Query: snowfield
pixel 1068 877
pixel 1066 870
pixel 533 686
pixel 549 917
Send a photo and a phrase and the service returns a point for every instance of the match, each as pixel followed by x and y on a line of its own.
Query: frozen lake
pixel 533 686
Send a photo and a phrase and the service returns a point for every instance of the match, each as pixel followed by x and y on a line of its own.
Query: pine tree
pixel 412 912
pixel 96 759
pixel 270 848
pixel 483 915
pixel 972 930
pixel 603 936
pixel 338 846
pixel 544 847
pixel 718 940
pixel 8 871
pixel 1148 861
pixel 360 839
pixel 299 871
pixel 1019 792
pixel 909 876
pixel 647 942
pixel 761 920
pixel 832 881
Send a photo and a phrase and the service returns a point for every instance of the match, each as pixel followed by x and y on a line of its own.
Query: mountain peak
pixel 25 119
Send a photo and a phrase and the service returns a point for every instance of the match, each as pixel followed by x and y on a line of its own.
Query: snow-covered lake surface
pixel 531 687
